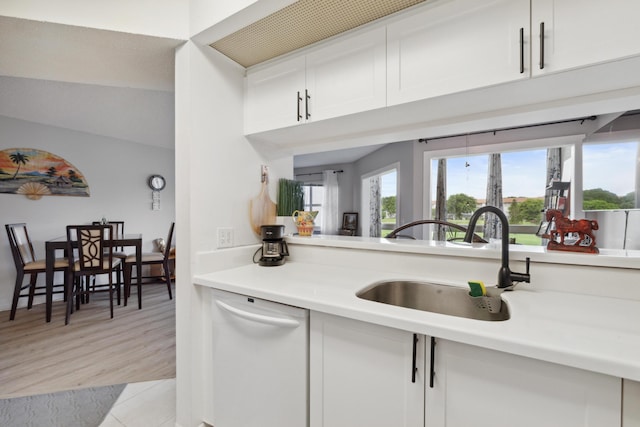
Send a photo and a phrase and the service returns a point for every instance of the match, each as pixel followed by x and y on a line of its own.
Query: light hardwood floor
pixel 93 350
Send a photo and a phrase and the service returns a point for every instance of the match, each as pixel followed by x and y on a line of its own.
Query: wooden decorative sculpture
pixel 571 235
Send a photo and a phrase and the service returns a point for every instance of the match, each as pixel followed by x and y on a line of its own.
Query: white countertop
pixel 615 258
pixel 594 333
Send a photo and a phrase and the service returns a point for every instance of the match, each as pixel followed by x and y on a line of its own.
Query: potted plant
pixel 290 199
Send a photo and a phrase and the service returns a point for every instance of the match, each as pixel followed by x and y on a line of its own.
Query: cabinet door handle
pixel 432 374
pixel 541 45
pixel 307 97
pixel 521 50
pixel 414 368
pixel 298 100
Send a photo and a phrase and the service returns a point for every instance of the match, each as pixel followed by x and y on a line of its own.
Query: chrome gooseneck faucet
pixel 506 277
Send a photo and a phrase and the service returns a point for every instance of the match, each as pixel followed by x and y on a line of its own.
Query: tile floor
pixel 150 404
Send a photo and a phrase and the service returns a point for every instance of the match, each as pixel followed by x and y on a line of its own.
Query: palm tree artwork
pixel 19 159
pixel 36 173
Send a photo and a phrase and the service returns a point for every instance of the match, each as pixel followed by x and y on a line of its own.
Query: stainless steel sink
pixel 436 298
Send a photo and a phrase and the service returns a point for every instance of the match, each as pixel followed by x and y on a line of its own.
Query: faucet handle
pixel 522 277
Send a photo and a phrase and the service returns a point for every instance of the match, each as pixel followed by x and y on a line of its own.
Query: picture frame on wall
pixel 350 221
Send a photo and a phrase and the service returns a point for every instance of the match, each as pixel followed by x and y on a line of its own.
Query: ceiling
pixel 301 24
pixel 336 157
pixel 121 85
pixel 108 83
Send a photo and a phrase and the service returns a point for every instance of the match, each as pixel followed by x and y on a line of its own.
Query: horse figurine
pixel 571 234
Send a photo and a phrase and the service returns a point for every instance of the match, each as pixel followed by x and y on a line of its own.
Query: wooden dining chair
pixel 150 259
pixel 93 255
pixel 118 252
pixel 118 229
pixel 26 262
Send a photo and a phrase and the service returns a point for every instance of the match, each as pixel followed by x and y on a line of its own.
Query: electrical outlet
pixel 225 237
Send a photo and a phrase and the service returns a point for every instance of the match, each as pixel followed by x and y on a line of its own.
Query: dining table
pixel 60 244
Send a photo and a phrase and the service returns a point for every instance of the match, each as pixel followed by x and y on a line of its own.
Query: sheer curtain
pixel 330 222
pixel 375 218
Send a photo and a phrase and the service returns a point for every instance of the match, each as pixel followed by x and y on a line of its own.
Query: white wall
pixel 117 173
pixel 207 12
pixel 219 175
pixel 165 18
pixel 403 154
pixel 346 185
pixel 140 115
pixel 612 226
pixel 213 20
pixel 350 181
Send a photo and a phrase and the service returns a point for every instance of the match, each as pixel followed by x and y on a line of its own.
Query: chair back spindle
pixel 167 249
pixel 118 229
pixel 21 247
pixel 93 246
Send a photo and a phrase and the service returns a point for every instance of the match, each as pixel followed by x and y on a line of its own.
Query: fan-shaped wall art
pixel 36 173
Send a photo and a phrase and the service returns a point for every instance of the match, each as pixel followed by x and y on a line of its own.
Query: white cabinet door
pixel 274 96
pixel 583 32
pixel 456 45
pixel 345 77
pixel 361 375
pixel 348 76
pixel 630 404
pixel 480 387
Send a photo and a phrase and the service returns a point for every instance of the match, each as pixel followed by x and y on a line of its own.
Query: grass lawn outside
pixel 384 232
pixel 521 238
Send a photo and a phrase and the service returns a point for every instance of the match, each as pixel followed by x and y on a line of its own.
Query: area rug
pixel 74 408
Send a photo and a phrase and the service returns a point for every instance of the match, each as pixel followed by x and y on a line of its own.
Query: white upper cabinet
pixel 344 77
pixel 349 76
pixel 456 45
pixel 582 32
pixel 480 387
pixel 440 48
pixel 274 96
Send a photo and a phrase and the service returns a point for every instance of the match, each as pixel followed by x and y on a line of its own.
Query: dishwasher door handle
pixel 254 317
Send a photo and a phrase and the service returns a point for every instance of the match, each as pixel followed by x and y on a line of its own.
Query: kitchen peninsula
pixel 228 119
pixel 574 329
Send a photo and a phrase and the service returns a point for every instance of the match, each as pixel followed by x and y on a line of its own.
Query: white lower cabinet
pixel 361 375
pixel 630 403
pixel 477 387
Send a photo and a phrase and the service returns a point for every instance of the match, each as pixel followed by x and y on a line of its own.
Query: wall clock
pixel 157 182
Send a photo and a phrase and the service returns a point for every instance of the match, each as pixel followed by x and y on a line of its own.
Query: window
pixel 313 195
pixel 388 201
pixel 609 171
pixel 380 202
pixel 523 180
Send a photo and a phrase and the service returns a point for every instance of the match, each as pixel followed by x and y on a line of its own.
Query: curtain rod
pixel 317 173
pixel 581 120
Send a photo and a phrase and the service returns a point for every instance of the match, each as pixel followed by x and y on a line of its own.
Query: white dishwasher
pixel 260 362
